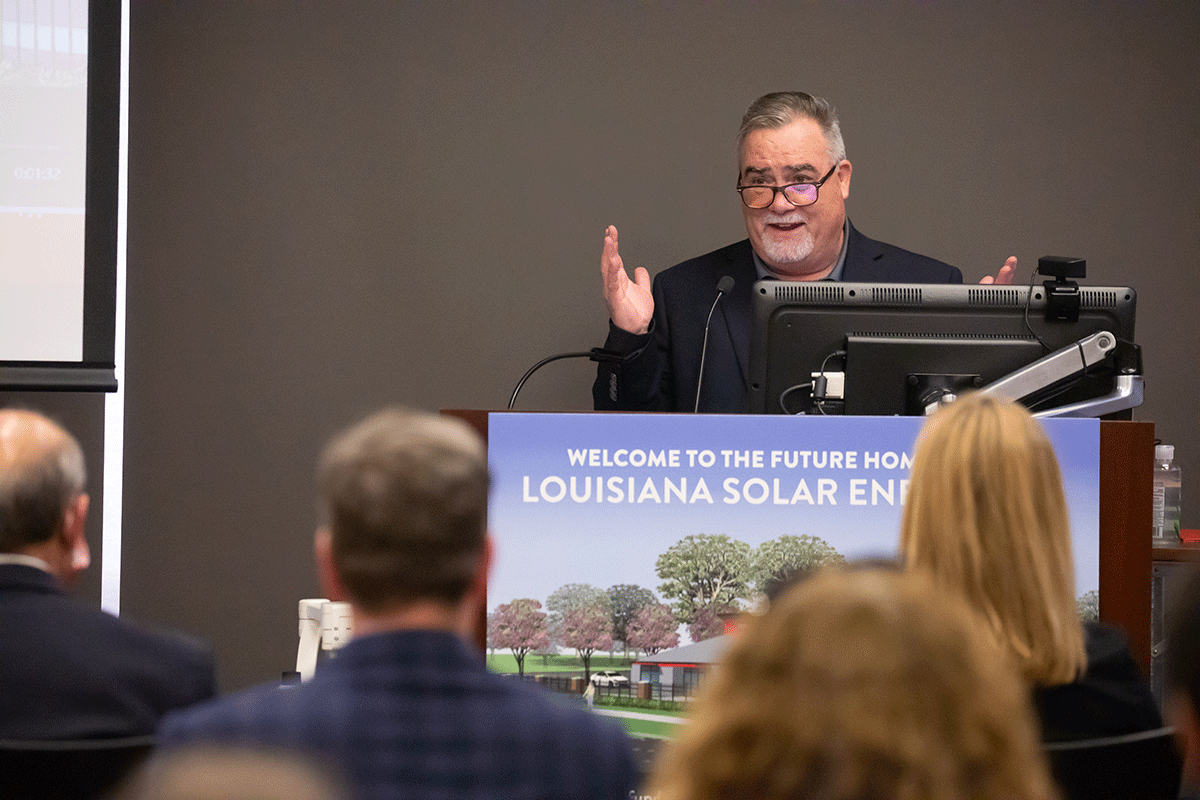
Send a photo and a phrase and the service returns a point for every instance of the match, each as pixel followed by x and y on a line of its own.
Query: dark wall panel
pixel 339 205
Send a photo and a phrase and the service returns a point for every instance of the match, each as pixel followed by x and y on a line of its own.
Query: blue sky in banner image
pixel 596 498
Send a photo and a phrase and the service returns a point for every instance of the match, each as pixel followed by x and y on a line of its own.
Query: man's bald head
pixel 41 478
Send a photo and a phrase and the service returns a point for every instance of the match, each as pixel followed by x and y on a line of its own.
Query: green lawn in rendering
pixel 506 662
pixel 649 728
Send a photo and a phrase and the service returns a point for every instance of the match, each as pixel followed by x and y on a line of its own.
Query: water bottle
pixel 1165 525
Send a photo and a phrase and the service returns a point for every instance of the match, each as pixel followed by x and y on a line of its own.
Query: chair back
pixel 82 769
pixel 1136 766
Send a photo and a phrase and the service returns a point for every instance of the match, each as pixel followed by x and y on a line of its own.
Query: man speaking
pixel 794 179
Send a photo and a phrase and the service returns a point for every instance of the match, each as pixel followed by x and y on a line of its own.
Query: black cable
pixel 1028 302
pixel 782 395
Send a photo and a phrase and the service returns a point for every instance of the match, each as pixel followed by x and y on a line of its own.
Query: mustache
pixel 783 219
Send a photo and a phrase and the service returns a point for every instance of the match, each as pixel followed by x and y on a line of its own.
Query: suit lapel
pixel 735 311
pixel 864 259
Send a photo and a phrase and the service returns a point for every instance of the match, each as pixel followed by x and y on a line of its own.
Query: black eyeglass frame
pixel 783 190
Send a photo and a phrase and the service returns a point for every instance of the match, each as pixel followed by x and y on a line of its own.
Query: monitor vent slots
pixel 941 337
pixel 809 292
pixel 896 296
pixel 997 296
pixel 1097 298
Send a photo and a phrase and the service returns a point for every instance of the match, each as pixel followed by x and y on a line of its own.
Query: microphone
pixel 597 354
pixel 724 286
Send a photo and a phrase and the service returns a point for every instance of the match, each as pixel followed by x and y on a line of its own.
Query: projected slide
pixel 43 94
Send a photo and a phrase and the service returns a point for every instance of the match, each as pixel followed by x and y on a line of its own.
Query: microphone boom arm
pixel 598 354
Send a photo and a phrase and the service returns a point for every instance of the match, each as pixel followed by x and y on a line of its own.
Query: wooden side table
pixel 1169 565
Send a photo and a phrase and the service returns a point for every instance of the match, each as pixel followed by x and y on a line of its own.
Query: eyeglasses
pixel 798 194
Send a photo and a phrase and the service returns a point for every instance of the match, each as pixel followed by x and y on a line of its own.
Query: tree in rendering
pixel 704 569
pixel 587 629
pixel 654 628
pixel 519 626
pixel 708 623
pixel 625 601
pixel 1089 606
pixel 566 599
pixel 781 560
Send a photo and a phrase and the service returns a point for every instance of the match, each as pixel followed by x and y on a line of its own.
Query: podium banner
pixel 598 498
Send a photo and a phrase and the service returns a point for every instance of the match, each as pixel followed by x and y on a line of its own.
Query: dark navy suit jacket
pixel 69 671
pixel 415 714
pixel 663 369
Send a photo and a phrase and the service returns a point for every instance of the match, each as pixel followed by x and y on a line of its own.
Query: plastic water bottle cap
pixel 1164 452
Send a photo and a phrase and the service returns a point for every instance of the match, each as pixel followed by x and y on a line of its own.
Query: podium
pixel 1123 504
pixel 1126 498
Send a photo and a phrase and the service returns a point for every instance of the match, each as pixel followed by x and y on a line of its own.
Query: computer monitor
pixel 893 347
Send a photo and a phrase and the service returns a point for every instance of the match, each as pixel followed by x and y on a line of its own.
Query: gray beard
pixel 789 250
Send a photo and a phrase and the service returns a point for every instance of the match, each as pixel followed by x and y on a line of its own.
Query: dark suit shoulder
pixel 735 260
pixel 82 672
pixel 870 260
pixel 38 604
pixel 190 658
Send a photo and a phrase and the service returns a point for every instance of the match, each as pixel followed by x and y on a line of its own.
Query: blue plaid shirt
pixel 415 714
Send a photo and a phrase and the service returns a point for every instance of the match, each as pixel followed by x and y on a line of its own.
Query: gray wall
pixel 333 206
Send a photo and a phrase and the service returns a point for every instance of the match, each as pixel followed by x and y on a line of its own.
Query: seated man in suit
pixel 407 709
pixel 68 671
pixel 794 180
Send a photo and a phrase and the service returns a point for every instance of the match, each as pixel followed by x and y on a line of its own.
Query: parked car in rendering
pixel 608 677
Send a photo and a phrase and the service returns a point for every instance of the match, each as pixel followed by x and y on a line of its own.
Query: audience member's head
pixel 864 684
pixel 43 506
pixel 986 518
pixel 221 773
pixel 1182 674
pixel 404 503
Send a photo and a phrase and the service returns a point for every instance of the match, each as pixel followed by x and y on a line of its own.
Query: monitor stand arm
pixel 1070 362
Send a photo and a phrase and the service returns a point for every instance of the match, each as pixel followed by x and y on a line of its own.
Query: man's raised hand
pixel 630 304
pixel 1006 273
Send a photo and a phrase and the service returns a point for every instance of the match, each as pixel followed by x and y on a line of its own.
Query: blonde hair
pixel 986 518
pixel 862 684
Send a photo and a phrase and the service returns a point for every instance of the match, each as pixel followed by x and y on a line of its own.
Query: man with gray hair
pixel 68 671
pixel 794 180
pixel 407 708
